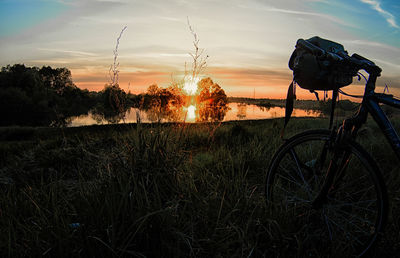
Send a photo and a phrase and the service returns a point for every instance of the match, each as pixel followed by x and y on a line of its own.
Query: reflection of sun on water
pixel 191 114
pixel 190 88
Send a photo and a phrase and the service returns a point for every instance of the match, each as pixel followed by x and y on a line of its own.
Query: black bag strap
pixel 335 95
pixel 290 97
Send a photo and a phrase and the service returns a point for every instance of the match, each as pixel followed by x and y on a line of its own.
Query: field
pixel 156 190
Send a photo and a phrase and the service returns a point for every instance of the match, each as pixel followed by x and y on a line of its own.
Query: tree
pixel 114 98
pixel 163 103
pixel 33 96
pixel 212 101
pixel 112 104
pixel 22 77
pixel 59 79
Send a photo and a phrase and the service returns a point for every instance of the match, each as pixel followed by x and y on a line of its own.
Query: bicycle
pixel 328 186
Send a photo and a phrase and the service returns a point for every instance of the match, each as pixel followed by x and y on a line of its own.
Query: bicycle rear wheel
pixel 354 214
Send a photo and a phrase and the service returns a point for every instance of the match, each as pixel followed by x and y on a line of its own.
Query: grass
pixel 169 190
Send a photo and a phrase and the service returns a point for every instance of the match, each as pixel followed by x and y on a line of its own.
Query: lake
pixel 237 111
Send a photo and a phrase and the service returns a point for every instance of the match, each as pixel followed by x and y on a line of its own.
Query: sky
pixel 248 42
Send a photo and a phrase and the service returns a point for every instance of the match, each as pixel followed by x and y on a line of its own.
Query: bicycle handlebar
pixel 355 60
pixel 366 64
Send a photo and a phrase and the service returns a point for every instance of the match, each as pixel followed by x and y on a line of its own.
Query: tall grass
pixel 174 190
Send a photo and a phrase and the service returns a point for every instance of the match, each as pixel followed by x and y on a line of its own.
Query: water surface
pixel 237 111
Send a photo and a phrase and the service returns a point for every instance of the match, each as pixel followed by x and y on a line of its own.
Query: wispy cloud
pixel 138 80
pixel 251 77
pixel 373 44
pixel 291 11
pixel 324 16
pixel 71 52
pixel 393 65
pixel 387 15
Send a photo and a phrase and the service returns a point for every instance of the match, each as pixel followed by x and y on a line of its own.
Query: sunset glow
pixel 248 42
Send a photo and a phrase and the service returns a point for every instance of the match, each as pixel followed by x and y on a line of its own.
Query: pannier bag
pixel 316 72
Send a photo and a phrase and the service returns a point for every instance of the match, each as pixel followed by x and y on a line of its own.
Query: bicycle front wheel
pixel 352 217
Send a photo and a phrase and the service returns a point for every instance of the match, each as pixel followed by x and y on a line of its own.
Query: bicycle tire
pixel 351 221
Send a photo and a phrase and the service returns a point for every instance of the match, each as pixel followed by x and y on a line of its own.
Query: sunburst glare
pixel 190 86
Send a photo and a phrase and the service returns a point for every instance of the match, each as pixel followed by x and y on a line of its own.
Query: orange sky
pixel 235 82
pixel 248 42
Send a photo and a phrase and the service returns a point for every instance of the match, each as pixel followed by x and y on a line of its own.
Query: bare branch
pixel 113 72
pixel 199 62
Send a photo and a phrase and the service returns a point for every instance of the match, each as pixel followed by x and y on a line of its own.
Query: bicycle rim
pixel 354 214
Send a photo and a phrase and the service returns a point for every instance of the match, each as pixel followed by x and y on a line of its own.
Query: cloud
pixel 131 77
pixel 394 51
pixel 377 7
pixel 324 16
pixel 386 56
pixel 70 52
pixel 251 77
pixel 260 73
pixel 296 11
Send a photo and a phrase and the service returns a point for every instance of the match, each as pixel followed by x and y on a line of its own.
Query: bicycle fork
pixel 336 170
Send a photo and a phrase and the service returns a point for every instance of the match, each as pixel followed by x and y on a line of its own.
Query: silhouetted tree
pixel 112 104
pixel 33 96
pixel 58 79
pixel 163 103
pixel 212 101
pixel 114 98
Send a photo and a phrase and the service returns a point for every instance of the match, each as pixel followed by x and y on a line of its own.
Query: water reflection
pixel 236 111
pixel 252 112
pixel 191 114
pixel 242 108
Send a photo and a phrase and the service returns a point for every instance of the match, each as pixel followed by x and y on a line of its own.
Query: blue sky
pixel 377 20
pixel 19 15
pixel 249 41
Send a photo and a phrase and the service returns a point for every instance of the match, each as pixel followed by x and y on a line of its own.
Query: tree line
pixel 45 96
pixel 32 96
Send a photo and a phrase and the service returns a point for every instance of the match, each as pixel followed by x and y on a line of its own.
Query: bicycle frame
pixel 370 104
pixel 334 174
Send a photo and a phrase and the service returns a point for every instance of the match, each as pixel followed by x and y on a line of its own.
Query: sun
pixel 190 86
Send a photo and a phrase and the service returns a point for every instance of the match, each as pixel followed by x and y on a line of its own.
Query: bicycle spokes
pixel 351 209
